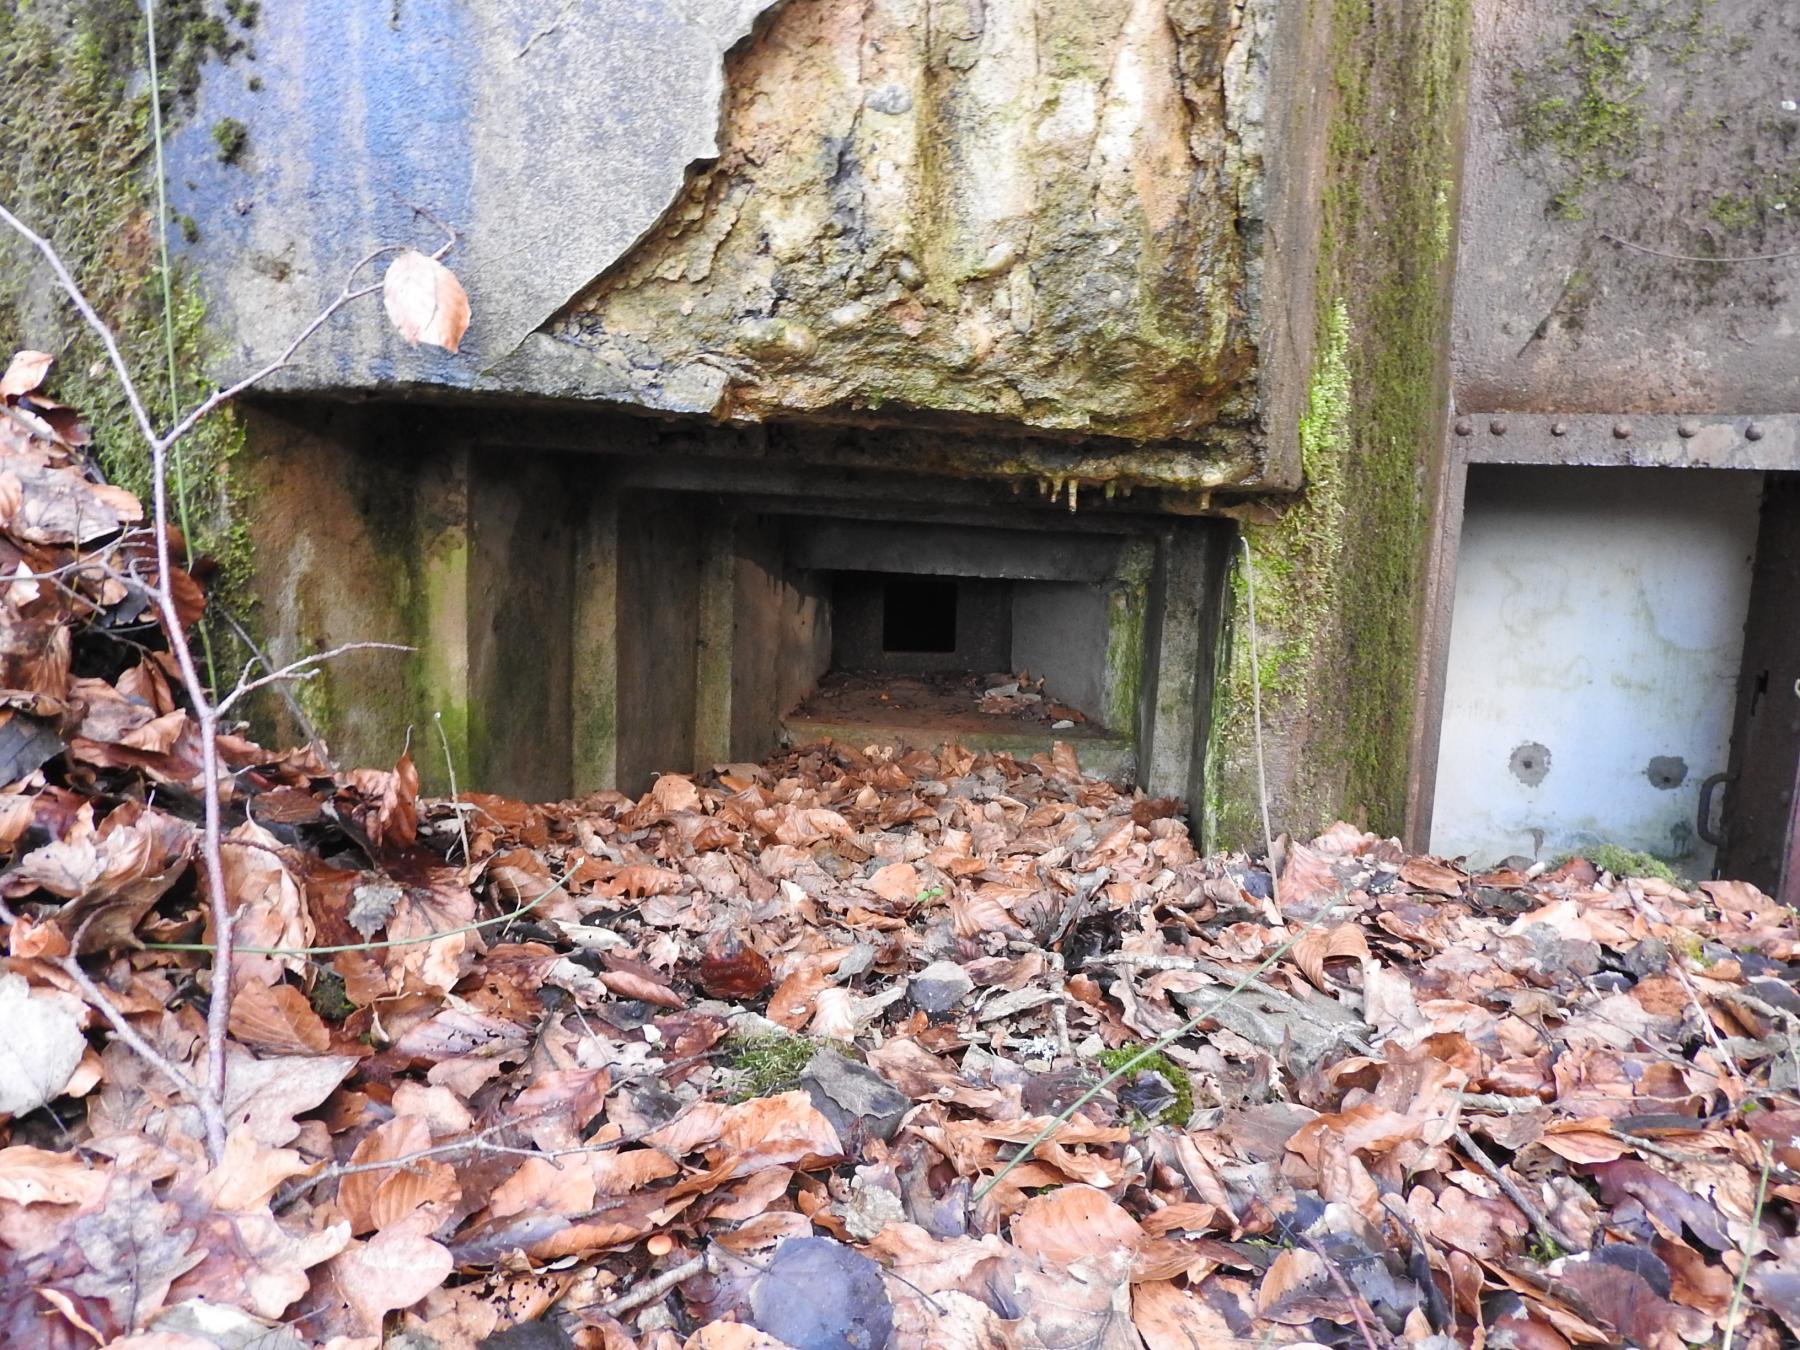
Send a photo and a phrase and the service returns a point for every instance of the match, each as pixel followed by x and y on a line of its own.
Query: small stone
pixel 850 1095
pixel 891 99
pixel 870 1209
pixel 939 987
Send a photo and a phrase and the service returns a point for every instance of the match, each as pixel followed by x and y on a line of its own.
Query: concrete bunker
pixel 599 598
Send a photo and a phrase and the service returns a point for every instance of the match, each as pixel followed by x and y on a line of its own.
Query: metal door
pixel 1756 826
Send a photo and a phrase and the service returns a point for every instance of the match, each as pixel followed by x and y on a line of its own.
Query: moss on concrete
pixel 75 163
pixel 1338 575
pixel 1581 105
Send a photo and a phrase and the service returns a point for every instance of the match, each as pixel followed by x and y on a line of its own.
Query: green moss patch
pixel 1338 576
pixel 1178 1112
pixel 767 1063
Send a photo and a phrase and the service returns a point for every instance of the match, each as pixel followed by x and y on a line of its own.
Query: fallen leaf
pixel 425 302
pixel 278 1019
pixel 1072 1222
pixel 42 1047
pixel 24 373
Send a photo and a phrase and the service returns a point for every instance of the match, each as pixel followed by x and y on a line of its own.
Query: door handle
pixel 1703 826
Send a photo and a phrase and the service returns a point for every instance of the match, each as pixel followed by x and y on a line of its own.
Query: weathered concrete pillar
pixel 594 646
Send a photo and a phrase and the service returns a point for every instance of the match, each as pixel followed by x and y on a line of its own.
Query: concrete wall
pixel 782 629
pixel 521 571
pixel 659 586
pixel 1059 633
pixel 1084 217
pixel 1086 246
pixel 983 626
pixel 1612 150
pixel 1593 659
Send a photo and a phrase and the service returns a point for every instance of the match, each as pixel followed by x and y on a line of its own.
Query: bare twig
pixel 1435 1307
pixel 298 713
pixel 206 712
pixel 498 921
pixel 462 821
pixel 1695 257
pixel 1541 1225
pixel 651 1290
pixel 1743 1275
pixel 1155 1047
pixel 1201 965
pixel 303 668
pixel 1711 1032
pixel 190 1091
pixel 1351 1297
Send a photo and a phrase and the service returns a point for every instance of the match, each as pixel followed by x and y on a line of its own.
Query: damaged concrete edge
pixel 748 22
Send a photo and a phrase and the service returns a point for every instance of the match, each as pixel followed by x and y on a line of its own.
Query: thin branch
pixel 462 821
pixel 1351 1298
pixel 498 921
pixel 1442 1319
pixel 190 1091
pixel 1155 1047
pixel 1643 907
pixel 302 669
pixel 205 712
pixel 1743 1275
pixel 298 713
pixel 349 294
pixel 1201 965
pixel 1695 257
pixel 651 1290
pixel 93 319
pixel 1543 1227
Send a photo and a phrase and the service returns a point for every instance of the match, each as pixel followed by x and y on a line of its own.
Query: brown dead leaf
pixel 386 1196
pixel 1317 946
pixel 425 302
pixel 1432 875
pixel 24 373
pixel 277 1019
pixel 396 1268
pixel 733 970
pixel 1072 1222
pixel 112 874
pixel 897 883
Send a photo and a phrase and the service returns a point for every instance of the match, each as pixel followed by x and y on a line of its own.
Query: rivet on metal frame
pixel 1498 426
pixel 1753 432
pixel 1559 428
pixel 1621 430
pixel 1687 430
pixel 1464 427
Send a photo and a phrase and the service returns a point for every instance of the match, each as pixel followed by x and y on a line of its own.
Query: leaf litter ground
pixel 759 1058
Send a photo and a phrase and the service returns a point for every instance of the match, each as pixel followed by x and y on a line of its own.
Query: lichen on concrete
pixel 1021 214
pixel 1338 573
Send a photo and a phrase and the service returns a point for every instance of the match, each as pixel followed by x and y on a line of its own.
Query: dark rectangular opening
pixel 918 614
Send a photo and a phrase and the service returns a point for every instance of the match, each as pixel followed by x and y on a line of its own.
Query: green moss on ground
pixel 767 1063
pixel 1339 575
pixel 1624 862
pixel 76 160
pixel 1178 1112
